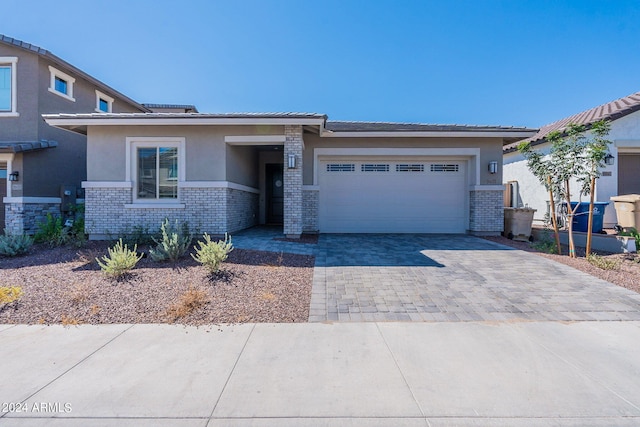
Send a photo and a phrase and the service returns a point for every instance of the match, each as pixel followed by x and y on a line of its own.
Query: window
pixel 104 103
pixel 156 167
pixel 341 167
pixel 8 97
pixel 61 84
pixel 367 167
pixel 444 168
pixel 409 168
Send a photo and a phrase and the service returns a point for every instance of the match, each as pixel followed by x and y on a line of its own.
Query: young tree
pixel 543 170
pixel 596 150
pixel 572 156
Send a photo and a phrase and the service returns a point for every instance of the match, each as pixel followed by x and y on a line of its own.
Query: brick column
pixel 293 182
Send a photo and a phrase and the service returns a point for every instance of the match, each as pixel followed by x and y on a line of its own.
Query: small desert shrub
pixel 173 243
pixel 51 231
pixel 120 260
pixel 632 232
pixel 15 244
pixel 546 246
pixel 603 263
pixel 189 302
pixel 212 254
pixel 9 294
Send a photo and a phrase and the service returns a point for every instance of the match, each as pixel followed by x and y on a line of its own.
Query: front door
pixel 275 193
pixel 628 167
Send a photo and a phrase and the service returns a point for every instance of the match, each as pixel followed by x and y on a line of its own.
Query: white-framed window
pixel 156 166
pixel 104 103
pixel 61 84
pixel 8 82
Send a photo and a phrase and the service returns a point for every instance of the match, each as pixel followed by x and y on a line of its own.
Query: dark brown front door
pixel 629 174
pixel 275 194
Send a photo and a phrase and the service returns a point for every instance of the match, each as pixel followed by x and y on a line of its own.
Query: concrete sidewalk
pixel 347 374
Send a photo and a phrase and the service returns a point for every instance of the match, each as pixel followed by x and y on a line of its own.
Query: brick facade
pixel 310 210
pixel 23 218
pixel 293 218
pixel 486 214
pixel 214 210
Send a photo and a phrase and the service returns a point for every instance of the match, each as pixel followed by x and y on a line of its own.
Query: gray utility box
pixel 628 210
pixel 517 223
pixel 67 198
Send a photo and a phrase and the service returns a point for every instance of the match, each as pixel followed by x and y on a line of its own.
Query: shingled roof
pixel 610 111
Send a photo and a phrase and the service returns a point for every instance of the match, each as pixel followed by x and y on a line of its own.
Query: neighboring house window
pixel 156 166
pixel 8 95
pixel 104 103
pixel 61 84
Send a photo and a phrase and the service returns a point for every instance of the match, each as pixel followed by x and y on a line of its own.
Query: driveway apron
pixel 453 278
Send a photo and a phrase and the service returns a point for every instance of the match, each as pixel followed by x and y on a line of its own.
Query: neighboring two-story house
pixel 42 167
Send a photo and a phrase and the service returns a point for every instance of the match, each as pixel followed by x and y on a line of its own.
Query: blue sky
pixel 524 63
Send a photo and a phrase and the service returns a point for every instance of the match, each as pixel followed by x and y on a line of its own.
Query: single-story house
pixel 227 172
pixel 621 177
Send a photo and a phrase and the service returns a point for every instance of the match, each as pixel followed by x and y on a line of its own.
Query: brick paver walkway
pixel 453 278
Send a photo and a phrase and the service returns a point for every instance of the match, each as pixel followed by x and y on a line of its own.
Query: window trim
pixel 99 96
pixel 131 161
pixel 54 72
pixel 11 61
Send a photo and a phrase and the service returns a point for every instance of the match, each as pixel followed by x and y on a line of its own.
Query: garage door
pixel 399 196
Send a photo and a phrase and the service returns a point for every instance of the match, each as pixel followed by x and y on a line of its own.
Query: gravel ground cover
pixel 65 285
pixel 627 274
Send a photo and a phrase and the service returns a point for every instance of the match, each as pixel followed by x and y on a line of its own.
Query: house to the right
pixel 621 174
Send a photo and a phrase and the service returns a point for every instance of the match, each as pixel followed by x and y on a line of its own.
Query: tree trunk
pixel 570 212
pixel 590 226
pixel 554 221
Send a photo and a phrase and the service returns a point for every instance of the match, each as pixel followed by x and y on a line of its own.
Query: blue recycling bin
pixel 581 218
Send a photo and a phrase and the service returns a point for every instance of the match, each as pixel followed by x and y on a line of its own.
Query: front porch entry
pixel 274 197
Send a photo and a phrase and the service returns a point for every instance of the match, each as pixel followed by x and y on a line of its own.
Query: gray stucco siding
pixel 207 156
pixel 490 150
pixel 24 127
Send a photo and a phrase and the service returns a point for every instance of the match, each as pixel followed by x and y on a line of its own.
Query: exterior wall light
pixel 608 159
pixel 291 161
pixel 493 167
pixel 13 176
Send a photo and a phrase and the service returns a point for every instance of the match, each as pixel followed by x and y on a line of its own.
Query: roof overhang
pixel 432 134
pixel 78 122
pixel 26 146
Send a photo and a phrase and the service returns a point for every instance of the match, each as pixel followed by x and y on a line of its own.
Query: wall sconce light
pixel 608 159
pixel 13 176
pixel 493 167
pixel 291 161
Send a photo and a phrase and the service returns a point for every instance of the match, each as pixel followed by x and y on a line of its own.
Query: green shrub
pixel 9 294
pixel 56 232
pixel 546 246
pixel 51 231
pixel 15 244
pixel 632 232
pixel 173 243
pixel 120 260
pixel 212 254
pixel 136 235
pixel 603 263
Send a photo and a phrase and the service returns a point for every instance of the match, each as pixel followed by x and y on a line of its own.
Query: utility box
pixel 67 198
pixel 628 210
pixel 518 222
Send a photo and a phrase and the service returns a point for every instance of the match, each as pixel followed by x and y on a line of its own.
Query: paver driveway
pixel 454 278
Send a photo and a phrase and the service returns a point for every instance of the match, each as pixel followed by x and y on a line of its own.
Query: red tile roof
pixel 610 111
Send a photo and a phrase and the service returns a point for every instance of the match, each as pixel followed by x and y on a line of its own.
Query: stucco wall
pixel 208 157
pixel 625 135
pixel 490 150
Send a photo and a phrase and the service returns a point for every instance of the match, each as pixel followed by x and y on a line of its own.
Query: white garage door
pixel 392 196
